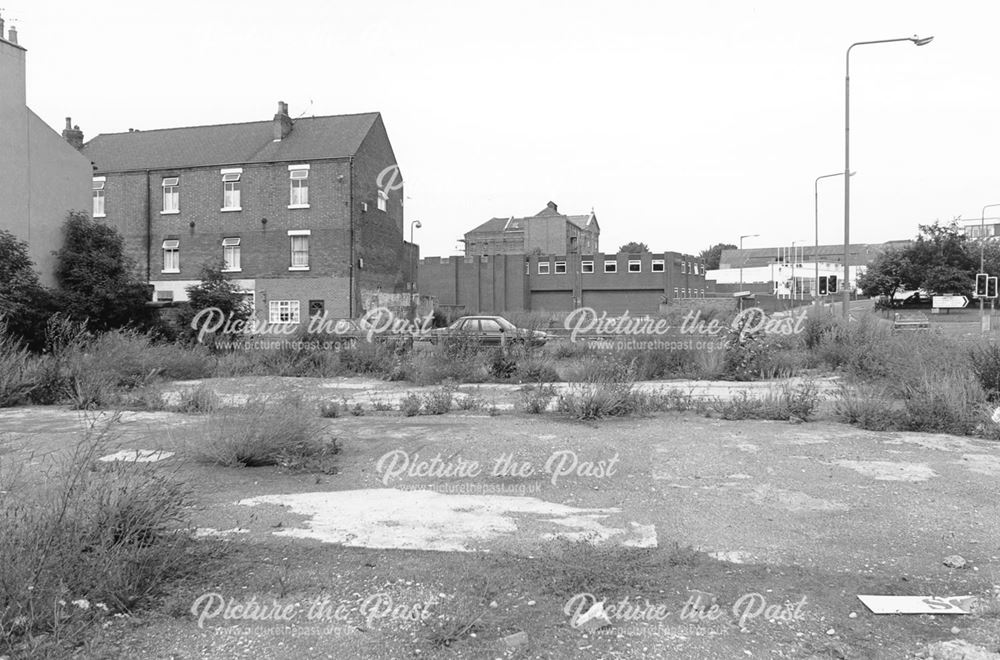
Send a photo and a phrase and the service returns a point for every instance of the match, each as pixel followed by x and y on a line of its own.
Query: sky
pixel 681 124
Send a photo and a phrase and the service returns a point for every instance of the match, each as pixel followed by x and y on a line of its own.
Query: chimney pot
pixel 69 123
pixel 73 134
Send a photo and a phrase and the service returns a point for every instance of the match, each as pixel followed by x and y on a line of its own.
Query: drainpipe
pixel 350 213
pixel 149 234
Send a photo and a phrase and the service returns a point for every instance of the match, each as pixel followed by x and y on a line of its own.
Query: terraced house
pixel 295 211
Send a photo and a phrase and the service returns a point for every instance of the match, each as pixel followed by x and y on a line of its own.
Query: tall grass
pixel 107 536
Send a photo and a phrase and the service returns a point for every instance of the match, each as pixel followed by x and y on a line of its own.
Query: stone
pixel 955 561
pixel 593 619
pixel 515 640
pixel 701 600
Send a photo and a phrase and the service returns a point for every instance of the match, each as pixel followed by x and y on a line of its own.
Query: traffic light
pixel 991 287
pixel 831 284
pixel 981 280
pixel 822 285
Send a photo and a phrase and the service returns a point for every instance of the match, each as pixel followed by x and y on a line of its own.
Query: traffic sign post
pixel 949 302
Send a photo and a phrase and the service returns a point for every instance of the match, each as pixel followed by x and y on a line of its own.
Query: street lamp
pixel 917 41
pixel 816 219
pixel 413 284
pixel 982 262
pixel 743 260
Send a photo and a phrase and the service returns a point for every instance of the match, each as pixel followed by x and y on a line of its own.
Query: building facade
pixel 42 177
pixel 611 283
pixel 546 232
pixel 299 213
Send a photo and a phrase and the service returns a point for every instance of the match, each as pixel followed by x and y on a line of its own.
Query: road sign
pixel 949 302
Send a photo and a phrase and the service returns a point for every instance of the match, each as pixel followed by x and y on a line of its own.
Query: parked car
pixel 489 331
pixel 348 333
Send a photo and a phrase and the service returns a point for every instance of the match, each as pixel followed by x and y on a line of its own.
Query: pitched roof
pixel 517 224
pixel 493 224
pixel 335 136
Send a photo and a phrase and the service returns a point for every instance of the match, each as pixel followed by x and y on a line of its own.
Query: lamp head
pixel 416 223
pixel 921 41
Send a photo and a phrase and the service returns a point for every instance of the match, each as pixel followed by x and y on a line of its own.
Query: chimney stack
pixel 73 134
pixel 12 35
pixel 1 27
pixel 282 122
pixel 552 205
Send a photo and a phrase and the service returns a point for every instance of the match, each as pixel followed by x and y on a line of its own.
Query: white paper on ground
pixel 914 604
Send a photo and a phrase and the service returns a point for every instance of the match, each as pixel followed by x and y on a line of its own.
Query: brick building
pixel 42 178
pixel 612 283
pixel 296 210
pixel 546 232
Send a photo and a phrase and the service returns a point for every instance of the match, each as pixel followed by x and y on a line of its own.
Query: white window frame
pixel 586 266
pixel 298 173
pixel 232 247
pixel 559 268
pixel 231 193
pixel 658 266
pixel 610 266
pixel 543 265
pixel 289 308
pixel 172 247
pixel 171 191
pixel 637 263
pixel 683 267
pixel 97 209
pixel 294 234
pixel 383 201
pixel 675 292
pixel 527 268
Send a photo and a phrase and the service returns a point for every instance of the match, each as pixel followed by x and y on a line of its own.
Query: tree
pixel 214 292
pixel 713 255
pixel 634 248
pixel 94 277
pixel 25 305
pixel 939 261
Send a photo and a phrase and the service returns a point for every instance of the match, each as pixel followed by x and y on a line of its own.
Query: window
pixel 657 266
pixel 171 195
pixel 300 249
pixel 683 292
pixel 634 266
pixel 675 292
pixel 383 200
pixel 489 325
pixel 527 268
pixel 283 311
pixel 299 177
pixel 610 266
pixel 560 267
pixel 98 185
pixel 231 190
pixel 683 267
pixel 231 254
pixel 543 268
pixel 171 256
pixel 586 266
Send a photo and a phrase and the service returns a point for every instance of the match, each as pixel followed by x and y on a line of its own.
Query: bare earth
pixel 816 511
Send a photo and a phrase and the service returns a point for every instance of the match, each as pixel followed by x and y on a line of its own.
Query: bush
pixel 535 399
pixel 410 406
pixel 17 371
pixel 985 361
pixel 439 401
pixel 201 399
pixel 262 433
pixel 608 392
pixel 867 406
pixel 790 402
pixel 944 403
pixel 110 535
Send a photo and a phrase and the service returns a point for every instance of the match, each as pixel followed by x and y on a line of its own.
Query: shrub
pixel 410 405
pixel 536 369
pixel 17 371
pixel 945 403
pixel 358 410
pixel 330 409
pixel 985 362
pixel 201 399
pixel 789 402
pixel 867 406
pixel 110 535
pixel 609 392
pixel 439 401
pixel 262 433
pixel 535 399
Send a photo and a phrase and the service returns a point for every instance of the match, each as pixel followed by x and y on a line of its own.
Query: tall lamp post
pixel 982 261
pixel 414 224
pixel 816 235
pixel 743 260
pixel 917 41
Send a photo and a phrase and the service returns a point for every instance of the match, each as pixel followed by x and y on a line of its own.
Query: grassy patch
pixel 789 402
pixel 96 539
pixel 261 433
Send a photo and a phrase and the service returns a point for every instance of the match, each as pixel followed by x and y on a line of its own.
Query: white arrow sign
pixel 950 302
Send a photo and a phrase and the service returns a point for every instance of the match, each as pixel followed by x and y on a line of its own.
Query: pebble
pixel 955 630
pixel 955 561
pixel 831 631
pixel 852 615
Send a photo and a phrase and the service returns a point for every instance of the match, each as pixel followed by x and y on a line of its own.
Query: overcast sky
pixel 681 124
